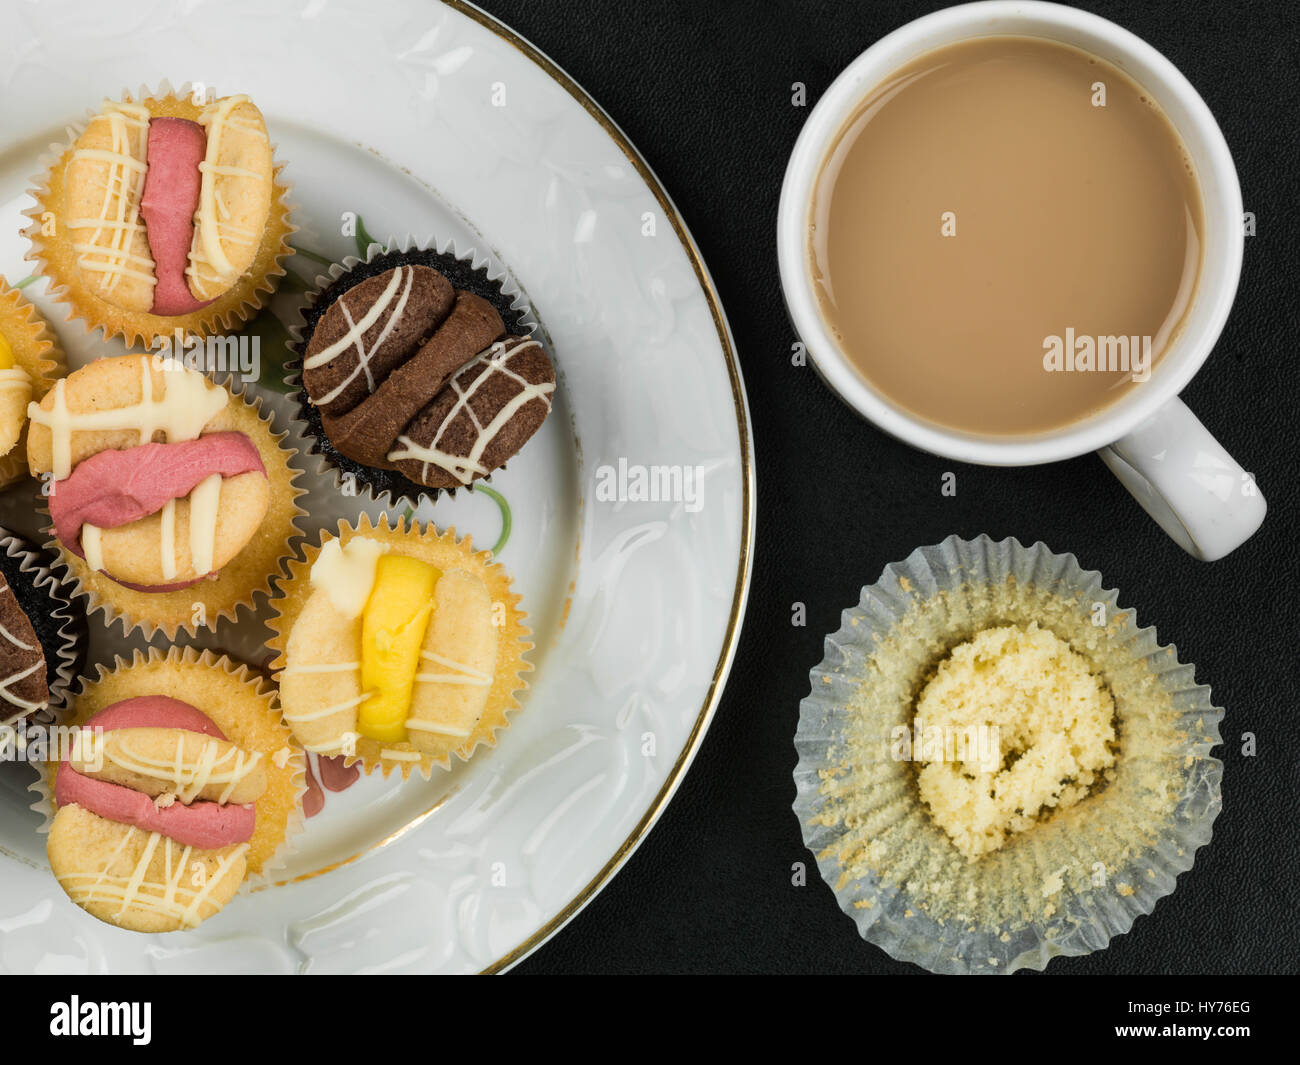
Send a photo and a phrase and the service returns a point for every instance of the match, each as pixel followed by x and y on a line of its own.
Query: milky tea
pixel 1006 236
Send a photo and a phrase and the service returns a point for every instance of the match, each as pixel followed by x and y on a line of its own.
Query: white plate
pixel 438 122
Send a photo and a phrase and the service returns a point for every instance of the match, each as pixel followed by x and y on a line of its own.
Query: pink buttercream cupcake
pixel 171 500
pixel 165 213
pixel 176 782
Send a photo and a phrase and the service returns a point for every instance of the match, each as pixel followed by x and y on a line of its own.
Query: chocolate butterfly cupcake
pixel 416 375
pixel 41 645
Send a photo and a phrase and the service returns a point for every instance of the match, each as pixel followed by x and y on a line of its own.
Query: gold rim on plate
pixel 678 771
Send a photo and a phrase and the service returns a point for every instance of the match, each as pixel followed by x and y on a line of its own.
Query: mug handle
pixel 1184 479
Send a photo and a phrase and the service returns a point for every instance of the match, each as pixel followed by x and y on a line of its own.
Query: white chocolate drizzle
pixel 174 898
pixel 204 513
pixel 189 401
pixel 207 231
pixel 209 767
pixel 465 467
pixel 119 213
pixel 327 711
pixel 463 674
pixel 15 377
pixel 9 696
pixel 329 748
pixel 92 547
pixel 395 755
pixel 347 573
pixel 404 277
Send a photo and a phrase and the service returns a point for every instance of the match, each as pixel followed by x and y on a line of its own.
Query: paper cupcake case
pixel 181 672
pixel 465 268
pixel 1068 885
pixel 439 548
pixel 47 602
pixel 52 255
pixel 38 352
pixel 249 576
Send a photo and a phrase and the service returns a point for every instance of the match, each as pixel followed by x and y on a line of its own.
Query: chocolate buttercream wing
pixel 24 686
pixel 370 330
pixel 369 431
pixel 481 419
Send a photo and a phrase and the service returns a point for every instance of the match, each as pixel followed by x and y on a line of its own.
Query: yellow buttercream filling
pixel 393 625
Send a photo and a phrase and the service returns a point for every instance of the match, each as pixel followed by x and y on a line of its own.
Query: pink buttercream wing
pixel 171 196
pixel 116 487
pixel 204 824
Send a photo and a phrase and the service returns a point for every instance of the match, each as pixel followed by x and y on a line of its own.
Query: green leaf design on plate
pixel 506 520
pixel 363 238
pixel 314 256
pixel 291 282
pixel 275 350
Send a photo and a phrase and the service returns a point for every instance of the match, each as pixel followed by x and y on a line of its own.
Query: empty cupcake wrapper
pixel 1065 886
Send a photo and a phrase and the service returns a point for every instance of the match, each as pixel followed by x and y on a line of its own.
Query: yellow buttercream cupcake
pixel 30 362
pixel 397 647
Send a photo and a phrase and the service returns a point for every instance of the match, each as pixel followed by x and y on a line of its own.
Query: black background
pixel 703 90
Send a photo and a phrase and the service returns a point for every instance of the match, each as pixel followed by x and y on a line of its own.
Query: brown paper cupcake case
pixel 227 314
pixel 466 268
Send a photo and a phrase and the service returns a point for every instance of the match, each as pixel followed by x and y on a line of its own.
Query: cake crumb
pixel 1027 730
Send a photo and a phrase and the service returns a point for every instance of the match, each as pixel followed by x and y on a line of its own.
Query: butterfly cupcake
pixel 172 501
pixel 397 647
pixel 178 783
pixel 165 214
pixel 419 372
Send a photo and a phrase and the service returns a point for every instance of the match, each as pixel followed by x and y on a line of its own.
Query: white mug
pixel 1148 438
